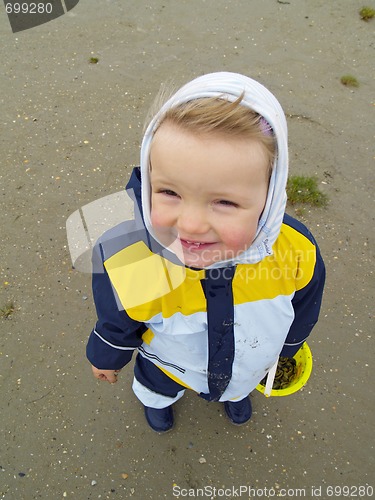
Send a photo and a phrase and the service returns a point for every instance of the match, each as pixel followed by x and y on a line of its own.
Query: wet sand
pixel 70 134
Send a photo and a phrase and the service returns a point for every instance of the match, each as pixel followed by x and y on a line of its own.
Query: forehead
pixel 174 142
pixel 207 162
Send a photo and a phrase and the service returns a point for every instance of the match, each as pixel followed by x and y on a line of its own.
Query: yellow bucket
pixel 304 365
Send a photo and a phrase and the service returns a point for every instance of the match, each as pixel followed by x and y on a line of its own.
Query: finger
pixel 115 375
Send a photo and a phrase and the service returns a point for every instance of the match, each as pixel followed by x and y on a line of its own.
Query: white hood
pixel 259 99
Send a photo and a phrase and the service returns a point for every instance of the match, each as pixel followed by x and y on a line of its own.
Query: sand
pixel 70 134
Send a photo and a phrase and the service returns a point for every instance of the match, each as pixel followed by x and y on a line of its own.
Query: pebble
pixel 93 482
pixel 202 460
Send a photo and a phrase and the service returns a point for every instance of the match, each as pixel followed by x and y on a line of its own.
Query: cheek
pixel 237 238
pixel 159 217
pixel 156 218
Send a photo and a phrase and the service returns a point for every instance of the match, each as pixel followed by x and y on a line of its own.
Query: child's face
pixel 208 192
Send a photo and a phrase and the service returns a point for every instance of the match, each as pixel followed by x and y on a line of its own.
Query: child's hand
pixel 105 375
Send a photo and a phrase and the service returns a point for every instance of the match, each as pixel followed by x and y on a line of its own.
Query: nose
pixel 192 220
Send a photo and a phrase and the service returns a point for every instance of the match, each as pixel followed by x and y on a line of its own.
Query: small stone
pixel 124 475
pixel 93 482
pixel 202 460
pixel 21 474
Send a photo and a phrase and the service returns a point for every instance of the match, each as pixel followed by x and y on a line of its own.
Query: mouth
pixel 195 245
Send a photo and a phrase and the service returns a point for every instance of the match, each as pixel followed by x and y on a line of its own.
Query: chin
pixel 198 261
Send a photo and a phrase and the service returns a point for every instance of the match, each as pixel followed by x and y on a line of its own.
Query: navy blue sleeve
pixel 115 336
pixel 306 302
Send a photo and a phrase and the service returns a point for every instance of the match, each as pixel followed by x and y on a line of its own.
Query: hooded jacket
pixel 220 329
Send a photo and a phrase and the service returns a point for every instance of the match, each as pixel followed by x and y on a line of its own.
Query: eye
pixel 167 192
pixel 227 203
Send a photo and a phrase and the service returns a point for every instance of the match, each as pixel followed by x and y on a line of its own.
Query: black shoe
pixel 160 420
pixel 239 412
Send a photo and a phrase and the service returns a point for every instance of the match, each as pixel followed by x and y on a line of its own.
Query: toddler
pixel 212 281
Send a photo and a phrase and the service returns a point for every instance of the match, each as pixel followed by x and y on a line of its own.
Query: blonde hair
pixel 219 115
